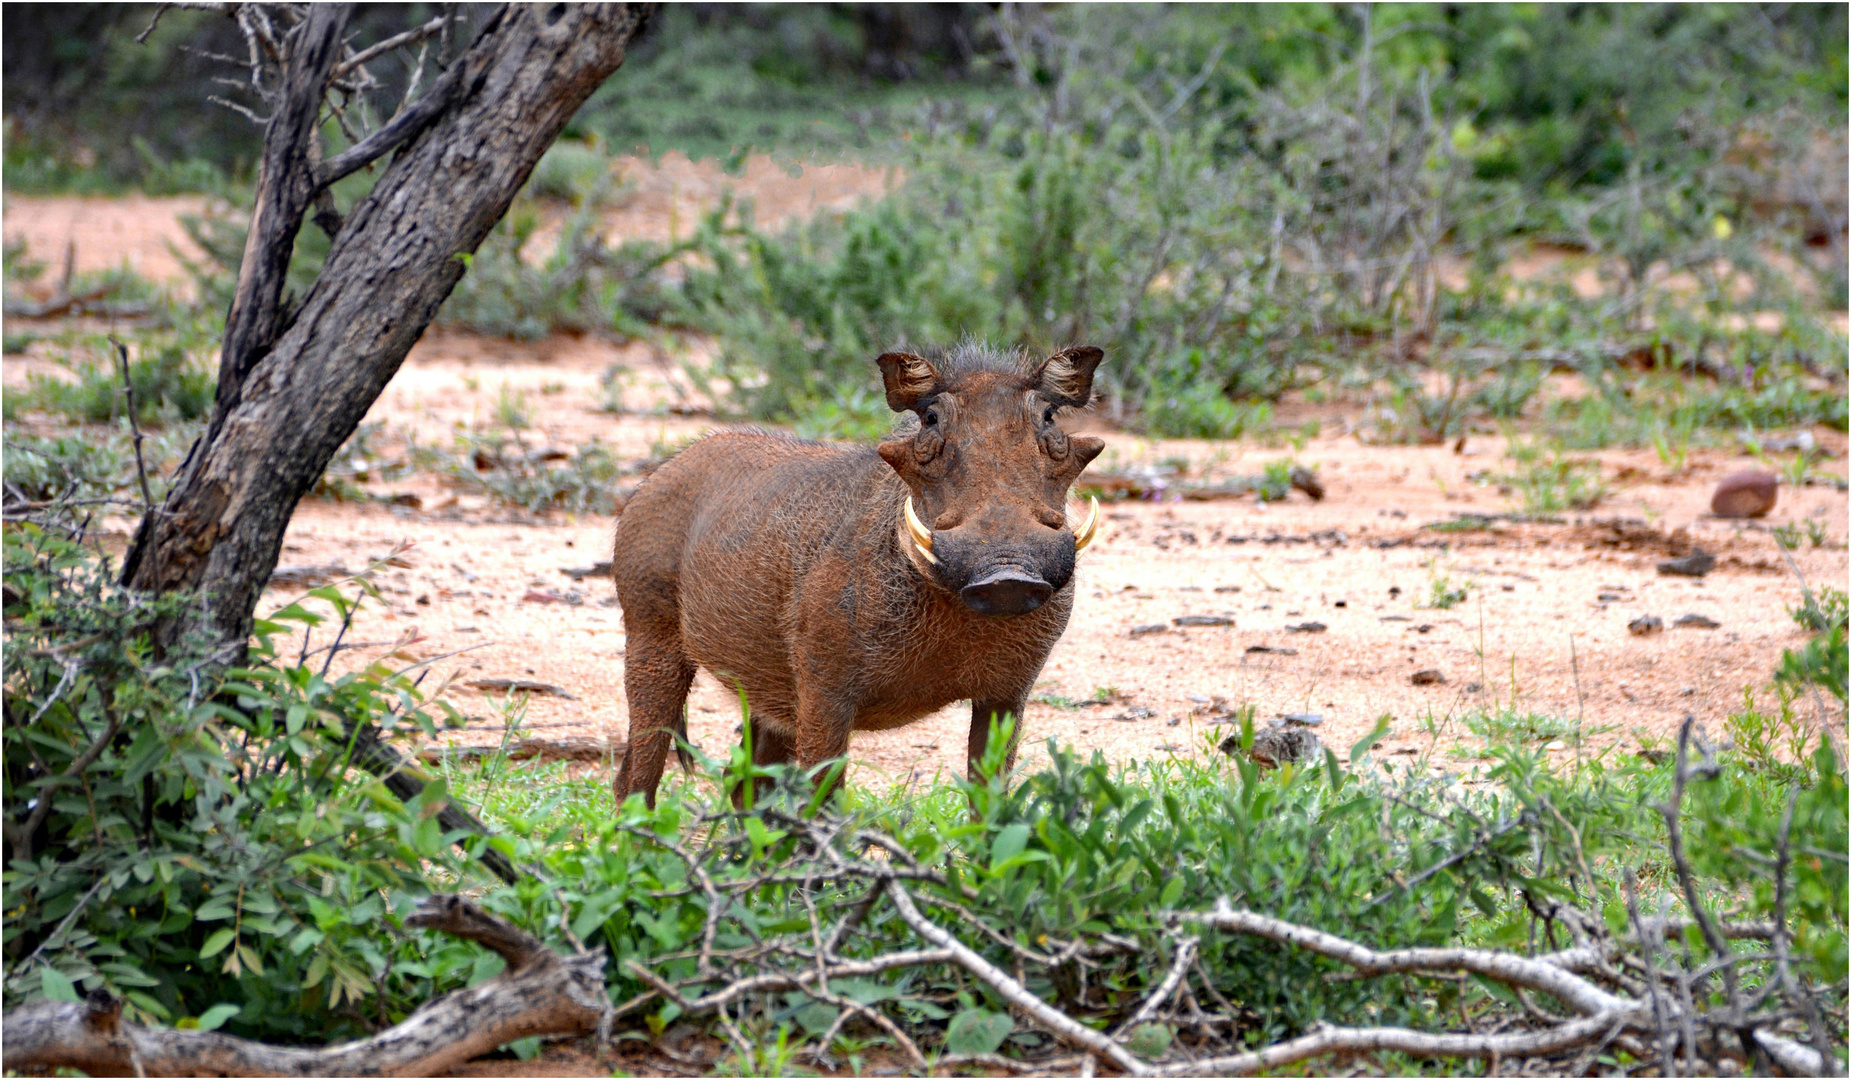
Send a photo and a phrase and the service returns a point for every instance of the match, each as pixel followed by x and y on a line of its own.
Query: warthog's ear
pixel 1066 378
pixel 910 379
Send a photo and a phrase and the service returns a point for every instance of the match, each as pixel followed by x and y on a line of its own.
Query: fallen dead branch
pixel 539 993
pixel 528 750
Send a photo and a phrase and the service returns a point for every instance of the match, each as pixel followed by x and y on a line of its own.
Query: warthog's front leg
pixel 982 714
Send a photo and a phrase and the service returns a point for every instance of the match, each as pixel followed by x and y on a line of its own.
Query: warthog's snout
pixel 1006 592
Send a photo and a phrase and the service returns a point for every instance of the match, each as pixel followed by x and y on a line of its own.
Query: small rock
pixel 1696 622
pixel 1197 698
pixel 1307 628
pixel 1695 564
pixel 1203 620
pixel 1555 744
pixel 1427 677
pixel 1646 624
pixel 1304 719
pixel 1307 481
pixel 542 596
pixel 580 573
pixel 1747 494
pixel 1148 628
pixel 1134 714
pixel 1397 618
pixel 1606 596
pixel 1687 691
pixel 1274 746
pixel 1173 721
pixel 407 499
pixel 1274 649
pixel 1227 588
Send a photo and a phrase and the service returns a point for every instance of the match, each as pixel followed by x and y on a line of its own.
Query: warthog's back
pixel 721 545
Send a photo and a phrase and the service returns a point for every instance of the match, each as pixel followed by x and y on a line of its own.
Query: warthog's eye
pixel 1047 416
pixel 929 418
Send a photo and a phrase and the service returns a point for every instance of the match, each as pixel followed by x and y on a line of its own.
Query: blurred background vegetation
pixel 1238 202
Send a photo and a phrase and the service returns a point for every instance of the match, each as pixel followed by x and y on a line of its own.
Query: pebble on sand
pixel 1746 494
pixel 1695 564
pixel 1646 624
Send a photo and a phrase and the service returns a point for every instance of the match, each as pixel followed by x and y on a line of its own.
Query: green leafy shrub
pixel 190 837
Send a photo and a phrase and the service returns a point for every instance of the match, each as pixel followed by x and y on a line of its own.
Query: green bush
pixel 167 387
pixel 1083 851
pixel 196 840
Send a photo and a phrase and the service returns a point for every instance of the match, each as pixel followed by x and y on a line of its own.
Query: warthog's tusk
pixel 918 533
pixel 1085 533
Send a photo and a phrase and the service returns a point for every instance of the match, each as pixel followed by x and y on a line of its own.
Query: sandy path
pixel 100 233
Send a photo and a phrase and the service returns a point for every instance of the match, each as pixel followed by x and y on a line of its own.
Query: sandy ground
pixel 1544 622
pixel 1543 627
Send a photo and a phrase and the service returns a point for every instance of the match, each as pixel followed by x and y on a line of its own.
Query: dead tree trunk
pixel 294 383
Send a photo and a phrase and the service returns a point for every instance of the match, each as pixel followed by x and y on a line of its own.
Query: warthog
pixel 843 588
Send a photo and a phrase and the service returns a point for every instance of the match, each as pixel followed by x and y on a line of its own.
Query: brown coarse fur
pixel 783 567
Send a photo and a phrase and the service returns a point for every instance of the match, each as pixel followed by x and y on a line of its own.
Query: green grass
pixel 166 387
pixel 1547 482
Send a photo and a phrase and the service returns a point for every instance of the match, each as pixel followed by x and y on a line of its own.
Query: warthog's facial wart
pixel 989 469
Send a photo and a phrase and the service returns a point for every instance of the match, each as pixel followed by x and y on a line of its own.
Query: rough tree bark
pixel 294 383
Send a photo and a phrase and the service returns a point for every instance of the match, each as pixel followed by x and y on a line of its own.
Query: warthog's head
pixel 989 468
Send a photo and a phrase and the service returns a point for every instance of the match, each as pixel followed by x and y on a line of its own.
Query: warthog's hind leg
pixel 657 674
pixel 770 746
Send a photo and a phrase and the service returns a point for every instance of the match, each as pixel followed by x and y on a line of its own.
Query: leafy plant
pixel 167 387
pixel 197 843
